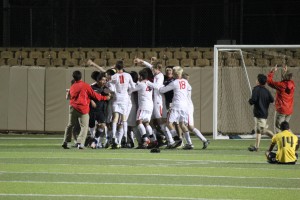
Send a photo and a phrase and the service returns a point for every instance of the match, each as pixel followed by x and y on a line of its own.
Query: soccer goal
pixel 235 72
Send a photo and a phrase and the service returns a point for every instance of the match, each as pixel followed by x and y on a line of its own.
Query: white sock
pixel 92 131
pixel 125 129
pixel 199 135
pixel 168 135
pixel 120 135
pixel 142 129
pixel 173 133
pixel 114 129
pixel 187 137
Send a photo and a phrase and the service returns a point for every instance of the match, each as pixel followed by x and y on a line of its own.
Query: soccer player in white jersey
pixel 191 117
pixel 159 114
pixel 179 109
pixel 122 83
pixel 145 108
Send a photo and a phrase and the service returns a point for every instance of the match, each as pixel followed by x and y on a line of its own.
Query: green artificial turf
pixel 36 167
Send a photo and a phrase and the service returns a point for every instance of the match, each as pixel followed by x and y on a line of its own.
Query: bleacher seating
pixel 184 56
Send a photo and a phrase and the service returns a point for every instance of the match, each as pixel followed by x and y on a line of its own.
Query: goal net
pixel 235 73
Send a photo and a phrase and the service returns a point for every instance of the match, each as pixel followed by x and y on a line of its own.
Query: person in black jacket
pixel 261 99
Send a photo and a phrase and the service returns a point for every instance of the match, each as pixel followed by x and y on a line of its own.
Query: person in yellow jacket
pixel 287 144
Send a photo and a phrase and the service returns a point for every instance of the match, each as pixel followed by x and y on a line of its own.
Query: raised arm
pixel 140 61
pixel 91 63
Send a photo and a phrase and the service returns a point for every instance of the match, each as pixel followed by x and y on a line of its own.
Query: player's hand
pixel 138 61
pixel 93 104
pixel 274 69
pixel 89 62
pixel 108 97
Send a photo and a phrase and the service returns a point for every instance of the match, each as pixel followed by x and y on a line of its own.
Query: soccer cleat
pixel 65 145
pixel 80 146
pixel 205 144
pixel 252 148
pixel 188 147
pixel 176 144
pixel 180 145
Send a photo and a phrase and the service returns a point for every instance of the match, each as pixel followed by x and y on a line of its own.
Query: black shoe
pixel 65 145
pixel 205 144
pixel 252 148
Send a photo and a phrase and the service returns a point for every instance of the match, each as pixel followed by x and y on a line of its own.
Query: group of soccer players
pixel 155 109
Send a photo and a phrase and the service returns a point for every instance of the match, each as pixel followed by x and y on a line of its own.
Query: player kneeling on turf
pixel 287 144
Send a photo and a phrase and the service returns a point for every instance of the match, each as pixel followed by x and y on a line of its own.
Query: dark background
pixel 148 23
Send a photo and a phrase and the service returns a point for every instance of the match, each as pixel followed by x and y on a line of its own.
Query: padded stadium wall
pixel 32 99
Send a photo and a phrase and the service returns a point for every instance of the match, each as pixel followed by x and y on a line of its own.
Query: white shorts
pixel 120 108
pixel 159 111
pixel 178 116
pixel 144 115
pixel 191 118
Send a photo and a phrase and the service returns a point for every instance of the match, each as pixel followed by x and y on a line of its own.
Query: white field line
pixel 138 159
pixel 106 196
pixel 186 165
pixel 152 184
pixel 161 175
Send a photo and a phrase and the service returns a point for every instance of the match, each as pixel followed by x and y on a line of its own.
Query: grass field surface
pixel 36 167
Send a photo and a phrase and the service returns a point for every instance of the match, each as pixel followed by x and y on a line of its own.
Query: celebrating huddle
pixel 155 109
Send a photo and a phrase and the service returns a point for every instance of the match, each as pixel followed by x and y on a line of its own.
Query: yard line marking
pixel 151 184
pixel 163 165
pixel 107 196
pixel 164 175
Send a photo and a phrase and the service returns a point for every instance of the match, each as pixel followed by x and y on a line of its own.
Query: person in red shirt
pixel 81 94
pixel 284 100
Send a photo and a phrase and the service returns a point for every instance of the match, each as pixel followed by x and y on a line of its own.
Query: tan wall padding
pixel 206 98
pixel 55 102
pixel 4 91
pixel 17 106
pixel 36 99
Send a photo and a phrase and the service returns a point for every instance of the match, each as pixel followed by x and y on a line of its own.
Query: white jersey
pixel 122 83
pixel 159 82
pixel 144 96
pixel 181 88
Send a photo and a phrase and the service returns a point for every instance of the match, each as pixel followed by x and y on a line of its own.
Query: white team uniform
pixel 190 108
pixel 159 111
pixel 145 102
pixel 122 83
pixel 179 110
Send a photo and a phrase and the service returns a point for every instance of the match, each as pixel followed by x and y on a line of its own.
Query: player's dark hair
pixel 134 76
pixel 120 64
pixel 94 75
pixel 77 75
pixel 262 79
pixel 284 126
pixel 111 72
pixel 143 74
pixel 150 75
pixel 100 76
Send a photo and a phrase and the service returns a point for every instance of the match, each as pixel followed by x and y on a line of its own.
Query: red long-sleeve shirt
pixel 284 101
pixel 81 94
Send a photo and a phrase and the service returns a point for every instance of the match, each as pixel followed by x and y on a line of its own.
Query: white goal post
pixel 217 134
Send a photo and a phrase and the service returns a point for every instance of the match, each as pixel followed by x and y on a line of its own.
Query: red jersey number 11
pixel 121 78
